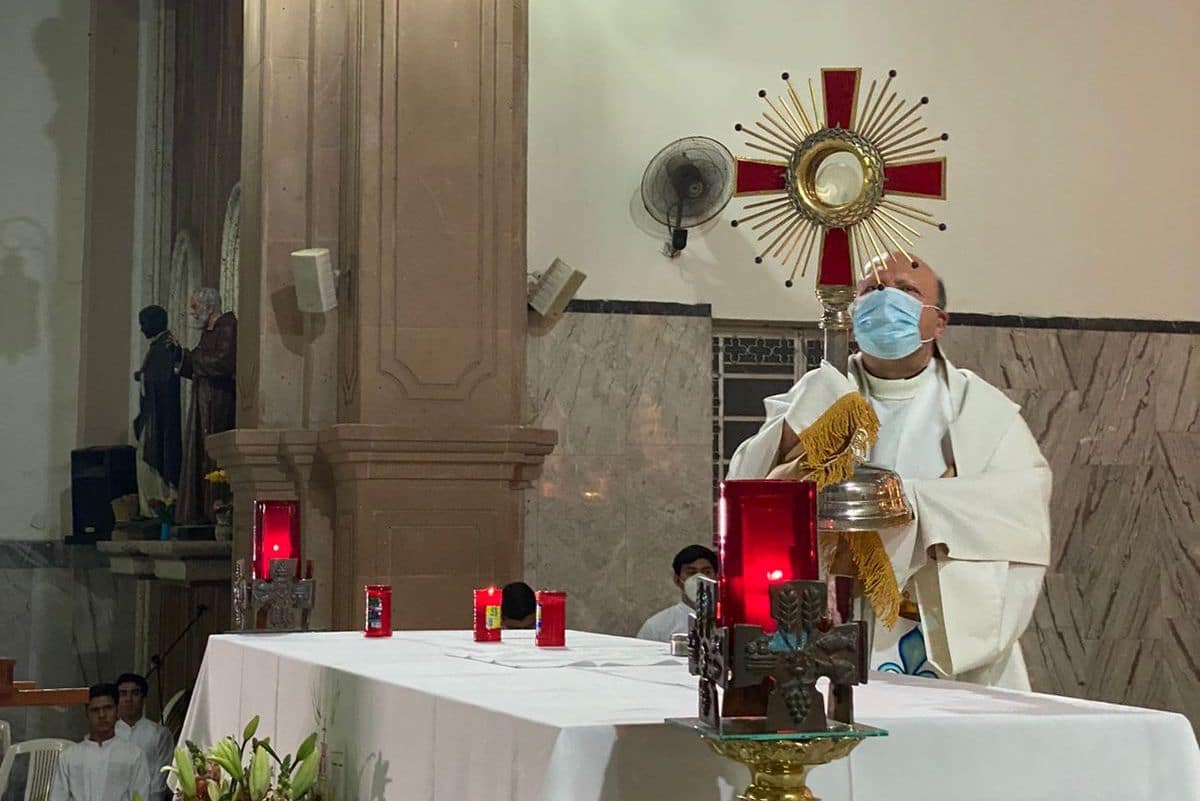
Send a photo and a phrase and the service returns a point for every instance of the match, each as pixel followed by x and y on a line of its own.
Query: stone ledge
pixel 173 560
pixel 169 549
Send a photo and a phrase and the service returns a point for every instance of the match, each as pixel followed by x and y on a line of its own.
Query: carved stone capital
pixel 265 461
pixel 513 454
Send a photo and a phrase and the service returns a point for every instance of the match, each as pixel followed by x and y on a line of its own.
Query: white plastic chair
pixel 43 759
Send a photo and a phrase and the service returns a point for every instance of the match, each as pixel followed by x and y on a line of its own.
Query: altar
pixel 433 716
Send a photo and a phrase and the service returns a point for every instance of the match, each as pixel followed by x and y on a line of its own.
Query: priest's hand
pixel 937 552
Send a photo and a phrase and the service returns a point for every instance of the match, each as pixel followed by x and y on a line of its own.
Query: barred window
pixel 748 365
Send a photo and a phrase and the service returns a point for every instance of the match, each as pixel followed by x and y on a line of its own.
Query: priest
pixel 970 565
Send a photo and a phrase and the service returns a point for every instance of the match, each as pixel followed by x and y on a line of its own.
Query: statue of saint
pixel 157 427
pixel 211 367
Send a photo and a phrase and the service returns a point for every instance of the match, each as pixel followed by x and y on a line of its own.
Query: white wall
pixel 1072 170
pixel 43 135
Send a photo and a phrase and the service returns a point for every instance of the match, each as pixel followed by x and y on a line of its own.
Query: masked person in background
pixel 690 563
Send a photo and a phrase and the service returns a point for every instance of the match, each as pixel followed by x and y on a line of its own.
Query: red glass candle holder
pixel 276 535
pixel 551 619
pixel 487 614
pixel 379 610
pixel 767 534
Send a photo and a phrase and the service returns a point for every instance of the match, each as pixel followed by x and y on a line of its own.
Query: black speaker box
pixel 99 476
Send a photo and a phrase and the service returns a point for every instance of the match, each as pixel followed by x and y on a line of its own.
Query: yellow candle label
pixel 492 617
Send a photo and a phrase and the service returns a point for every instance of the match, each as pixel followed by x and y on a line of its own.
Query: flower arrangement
pixel 217 477
pixel 163 509
pixel 222 773
pixel 223 504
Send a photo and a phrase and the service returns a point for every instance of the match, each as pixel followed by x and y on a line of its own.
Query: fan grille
pixel 688 182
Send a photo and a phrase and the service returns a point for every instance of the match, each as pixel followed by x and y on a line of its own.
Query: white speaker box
pixel 316 289
pixel 551 291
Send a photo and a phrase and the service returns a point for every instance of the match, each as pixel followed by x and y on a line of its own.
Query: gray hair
pixel 941 298
pixel 208 298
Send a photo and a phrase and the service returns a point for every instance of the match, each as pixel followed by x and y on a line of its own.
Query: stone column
pixel 290 173
pixel 429 456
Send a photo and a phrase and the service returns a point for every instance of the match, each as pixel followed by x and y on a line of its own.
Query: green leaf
pixel 266 744
pixel 306 747
pixel 306 774
pixel 251 727
pixel 226 756
pixel 185 774
pixel 260 774
pixel 233 753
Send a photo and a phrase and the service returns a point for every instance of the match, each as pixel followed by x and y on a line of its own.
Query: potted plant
pixel 249 770
pixel 223 505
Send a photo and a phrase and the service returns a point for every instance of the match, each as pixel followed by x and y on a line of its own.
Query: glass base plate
pixel 751 729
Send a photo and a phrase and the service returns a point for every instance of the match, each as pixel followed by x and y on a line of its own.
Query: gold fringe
pixel 830 448
pixel 827 452
pixel 878 578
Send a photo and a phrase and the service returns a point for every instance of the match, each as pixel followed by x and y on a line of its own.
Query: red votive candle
pixel 276 535
pixel 487 615
pixel 767 535
pixel 379 610
pixel 551 619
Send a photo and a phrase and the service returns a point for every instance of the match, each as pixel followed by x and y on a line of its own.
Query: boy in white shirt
pixel 154 740
pixel 102 767
pixel 692 561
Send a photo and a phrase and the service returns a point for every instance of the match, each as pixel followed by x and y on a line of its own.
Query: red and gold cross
pixel 803 212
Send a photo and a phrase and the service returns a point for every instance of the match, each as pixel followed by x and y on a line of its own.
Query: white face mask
pixel 197 323
pixel 691 588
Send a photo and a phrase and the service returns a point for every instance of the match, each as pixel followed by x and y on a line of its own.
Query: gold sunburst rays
pixel 837 164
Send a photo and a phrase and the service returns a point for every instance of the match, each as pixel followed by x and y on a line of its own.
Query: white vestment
pixel 661 625
pixel 157 745
pixel 991 521
pixel 110 771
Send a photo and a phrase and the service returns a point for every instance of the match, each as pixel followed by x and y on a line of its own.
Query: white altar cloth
pixel 422 717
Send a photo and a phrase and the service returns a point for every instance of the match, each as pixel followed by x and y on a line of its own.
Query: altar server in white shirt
pixel 154 739
pixel 692 561
pixel 973 560
pixel 102 767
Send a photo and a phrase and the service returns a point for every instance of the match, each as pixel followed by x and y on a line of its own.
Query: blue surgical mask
pixel 887 323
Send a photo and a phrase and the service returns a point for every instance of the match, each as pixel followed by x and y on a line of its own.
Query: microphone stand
pixel 156 660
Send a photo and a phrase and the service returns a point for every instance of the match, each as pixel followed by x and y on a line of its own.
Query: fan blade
pixel 918 178
pixel 834 261
pixel 841 96
pixel 753 177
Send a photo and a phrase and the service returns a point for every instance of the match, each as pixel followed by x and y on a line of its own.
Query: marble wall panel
pixel 68 622
pixel 630 481
pixel 1117 415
